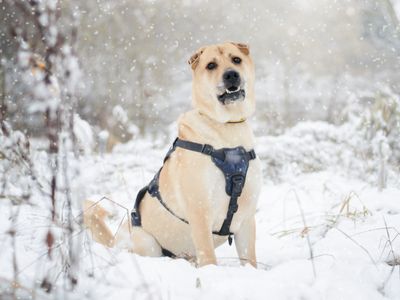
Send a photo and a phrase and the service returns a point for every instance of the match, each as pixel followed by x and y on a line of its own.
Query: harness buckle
pixel 207 149
pixel 252 154
pixel 153 189
pixel 230 239
pixel 135 218
pixel 237 181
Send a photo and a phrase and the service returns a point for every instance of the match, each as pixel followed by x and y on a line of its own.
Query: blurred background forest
pixel 314 58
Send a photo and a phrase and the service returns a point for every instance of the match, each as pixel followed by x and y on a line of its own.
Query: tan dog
pixel 190 183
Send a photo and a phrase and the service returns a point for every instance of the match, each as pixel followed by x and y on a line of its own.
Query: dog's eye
pixel 211 66
pixel 236 60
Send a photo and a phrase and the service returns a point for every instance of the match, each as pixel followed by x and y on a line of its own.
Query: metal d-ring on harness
pixel 233 162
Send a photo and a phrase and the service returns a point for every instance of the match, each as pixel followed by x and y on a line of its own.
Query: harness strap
pixel 238 182
pixel 166 252
pixel 207 149
pixel 154 191
pixel 202 148
pixel 135 215
pixel 235 178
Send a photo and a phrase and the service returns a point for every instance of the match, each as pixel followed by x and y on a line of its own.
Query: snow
pixel 84 134
pixel 327 127
pixel 348 223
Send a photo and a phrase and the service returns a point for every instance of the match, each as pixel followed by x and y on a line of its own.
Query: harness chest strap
pixel 233 162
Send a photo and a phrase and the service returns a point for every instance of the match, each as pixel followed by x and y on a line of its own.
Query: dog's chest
pixel 219 198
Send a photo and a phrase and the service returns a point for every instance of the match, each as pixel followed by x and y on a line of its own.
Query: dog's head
pixel 223 82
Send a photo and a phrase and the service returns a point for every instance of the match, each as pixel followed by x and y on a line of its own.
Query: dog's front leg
pixel 202 238
pixel 245 241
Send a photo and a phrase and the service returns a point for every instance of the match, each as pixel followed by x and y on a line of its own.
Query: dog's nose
pixel 231 79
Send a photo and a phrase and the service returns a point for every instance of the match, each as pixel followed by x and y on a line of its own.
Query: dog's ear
pixel 194 59
pixel 242 47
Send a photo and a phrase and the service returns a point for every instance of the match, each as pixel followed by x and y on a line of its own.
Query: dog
pixel 194 201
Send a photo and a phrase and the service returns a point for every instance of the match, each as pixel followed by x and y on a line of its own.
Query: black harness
pixel 233 162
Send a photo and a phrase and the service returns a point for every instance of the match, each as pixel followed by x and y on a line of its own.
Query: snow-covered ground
pixel 351 229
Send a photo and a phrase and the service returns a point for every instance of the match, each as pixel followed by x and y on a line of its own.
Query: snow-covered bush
pixel 366 146
pixel 16 168
pixel 382 119
pixel 46 75
pixel 307 147
pixel 85 140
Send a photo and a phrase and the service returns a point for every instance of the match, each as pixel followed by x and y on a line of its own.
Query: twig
pixel 390 252
pixel 12 232
pixel 264 265
pixel 376 229
pixel 44 254
pixel 307 234
pixel 108 199
pixel 358 244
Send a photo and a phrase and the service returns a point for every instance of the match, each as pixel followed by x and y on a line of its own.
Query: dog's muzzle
pixel 232 85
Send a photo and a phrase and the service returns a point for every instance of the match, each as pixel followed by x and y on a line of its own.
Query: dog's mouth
pixel 232 95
